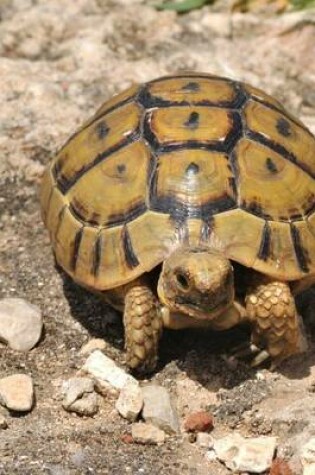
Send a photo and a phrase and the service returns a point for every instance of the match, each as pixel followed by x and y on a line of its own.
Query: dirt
pixel 59 61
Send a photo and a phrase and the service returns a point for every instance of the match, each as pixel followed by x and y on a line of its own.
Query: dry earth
pixel 59 61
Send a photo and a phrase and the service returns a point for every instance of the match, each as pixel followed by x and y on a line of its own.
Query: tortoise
pixel 189 201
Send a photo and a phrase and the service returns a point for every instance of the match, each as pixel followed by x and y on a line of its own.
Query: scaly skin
pixel 271 310
pixel 143 326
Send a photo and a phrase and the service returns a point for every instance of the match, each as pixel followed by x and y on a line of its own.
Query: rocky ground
pixel 59 61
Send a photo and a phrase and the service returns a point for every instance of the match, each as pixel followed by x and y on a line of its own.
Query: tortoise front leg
pixel 143 327
pixel 277 327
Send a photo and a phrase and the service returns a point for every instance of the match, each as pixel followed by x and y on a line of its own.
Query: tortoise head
pixel 197 282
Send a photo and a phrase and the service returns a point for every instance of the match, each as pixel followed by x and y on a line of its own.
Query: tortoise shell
pixel 187 159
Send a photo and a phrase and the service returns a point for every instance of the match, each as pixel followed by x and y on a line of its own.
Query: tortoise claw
pixel 248 351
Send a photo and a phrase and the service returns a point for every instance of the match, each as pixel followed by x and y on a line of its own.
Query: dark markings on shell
pixel 271 166
pixel 234 167
pixel 193 77
pixel 76 248
pixel 60 219
pixel 96 118
pixel 65 184
pixel 150 101
pixel 280 149
pixel 300 251
pixel 121 168
pixel 130 256
pixel 191 86
pixel 180 210
pixel 284 127
pixel 281 111
pixel 206 229
pixel 192 169
pixel 102 129
pixel 265 243
pixel 225 145
pixel 193 121
pixel 97 254
pixel 255 208
pixel 128 215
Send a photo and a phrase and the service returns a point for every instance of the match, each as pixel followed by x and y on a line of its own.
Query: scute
pixel 189 159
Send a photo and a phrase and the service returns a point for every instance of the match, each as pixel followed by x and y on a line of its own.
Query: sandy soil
pixel 59 61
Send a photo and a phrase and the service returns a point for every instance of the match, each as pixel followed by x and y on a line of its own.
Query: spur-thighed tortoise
pixel 201 174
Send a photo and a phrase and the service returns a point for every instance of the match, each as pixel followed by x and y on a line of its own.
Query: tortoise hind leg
pixel 277 327
pixel 143 326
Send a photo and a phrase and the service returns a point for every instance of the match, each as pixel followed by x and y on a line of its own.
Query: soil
pixel 59 61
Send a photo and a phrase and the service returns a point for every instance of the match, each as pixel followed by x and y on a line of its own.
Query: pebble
pixel 106 372
pixel 92 345
pixel 80 396
pixel 280 467
pixel 251 454
pixel 144 433
pixel 200 421
pixel 3 422
pixel 17 393
pixel 308 457
pixel 20 323
pixel 126 438
pixel 130 402
pixel 159 410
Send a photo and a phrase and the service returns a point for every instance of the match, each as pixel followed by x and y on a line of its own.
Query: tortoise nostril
pixel 182 281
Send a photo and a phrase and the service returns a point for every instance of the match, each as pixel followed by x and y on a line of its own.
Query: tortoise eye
pixel 182 281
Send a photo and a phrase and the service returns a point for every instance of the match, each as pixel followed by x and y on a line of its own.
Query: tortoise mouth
pixel 203 310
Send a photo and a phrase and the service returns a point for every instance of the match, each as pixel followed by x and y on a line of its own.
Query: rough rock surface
pixel 17 392
pixel 144 433
pixel 159 409
pixel 20 323
pixel 59 60
pixel 130 402
pixel 106 372
pixel 246 455
pixel 80 396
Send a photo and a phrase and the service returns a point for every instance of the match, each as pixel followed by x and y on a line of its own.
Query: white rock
pixel 92 345
pixel 204 440
pixel 130 402
pixel 144 433
pixel 159 410
pixel 308 457
pixel 20 323
pixel 252 454
pixel 79 396
pixel 106 372
pixel 211 455
pixel 17 393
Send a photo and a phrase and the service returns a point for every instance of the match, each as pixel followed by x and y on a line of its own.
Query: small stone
pixel 17 393
pixel 159 410
pixel 143 433
pixel 106 372
pixel 239 454
pixel 80 397
pixel 200 421
pixel 211 455
pixel 3 422
pixel 20 323
pixel 280 467
pixel 308 457
pixel 130 402
pixel 126 438
pixel 204 440
pixel 92 345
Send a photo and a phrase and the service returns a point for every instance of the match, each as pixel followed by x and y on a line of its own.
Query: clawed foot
pixel 252 353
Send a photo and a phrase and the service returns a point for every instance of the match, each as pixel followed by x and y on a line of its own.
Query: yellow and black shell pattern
pixel 191 159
